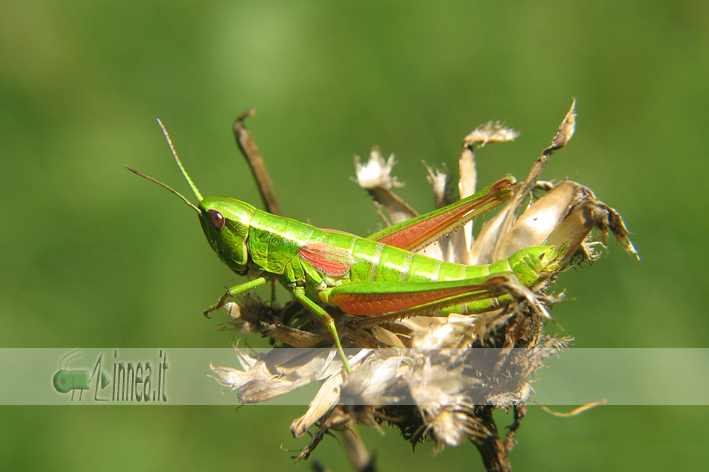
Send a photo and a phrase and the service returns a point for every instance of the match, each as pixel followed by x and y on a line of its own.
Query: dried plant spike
pixel 566 130
pixel 441 185
pixel 490 132
pixel 375 177
pixel 376 172
pixel 617 226
pixel 575 411
pixel 248 148
pixel 562 137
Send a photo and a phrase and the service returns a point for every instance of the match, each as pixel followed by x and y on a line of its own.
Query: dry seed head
pixel 424 392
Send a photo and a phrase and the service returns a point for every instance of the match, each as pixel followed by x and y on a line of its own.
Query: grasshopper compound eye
pixel 217 219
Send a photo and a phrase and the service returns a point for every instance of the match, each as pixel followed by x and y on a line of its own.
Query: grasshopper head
pixel 225 222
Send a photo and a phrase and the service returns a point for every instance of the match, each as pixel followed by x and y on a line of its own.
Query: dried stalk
pixel 248 148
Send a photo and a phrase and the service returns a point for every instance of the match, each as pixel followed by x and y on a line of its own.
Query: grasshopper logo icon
pixel 66 381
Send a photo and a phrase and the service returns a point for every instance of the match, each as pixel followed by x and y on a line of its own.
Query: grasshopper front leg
pixel 314 308
pixel 234 291
pixel 299 294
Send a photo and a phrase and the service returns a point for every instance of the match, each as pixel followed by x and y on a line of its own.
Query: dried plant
pixel 437 377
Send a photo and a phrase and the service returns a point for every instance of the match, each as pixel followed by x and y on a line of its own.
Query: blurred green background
pixel 93 256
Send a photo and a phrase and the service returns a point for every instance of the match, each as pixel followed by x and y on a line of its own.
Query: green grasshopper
pixel 379 275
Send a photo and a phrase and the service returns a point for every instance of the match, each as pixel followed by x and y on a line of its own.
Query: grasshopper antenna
pixel 165 186
pixel 179 163
pixel 182 169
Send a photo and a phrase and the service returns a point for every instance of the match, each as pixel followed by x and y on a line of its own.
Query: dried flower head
pixel 435 377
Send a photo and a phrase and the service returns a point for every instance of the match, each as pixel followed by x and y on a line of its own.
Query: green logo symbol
pixel 66 381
